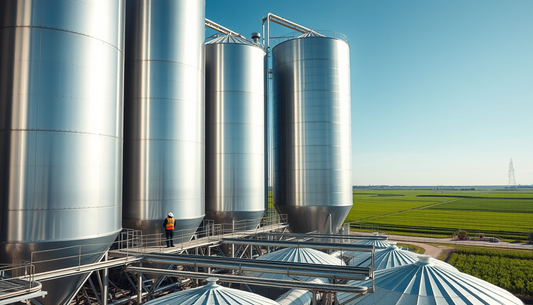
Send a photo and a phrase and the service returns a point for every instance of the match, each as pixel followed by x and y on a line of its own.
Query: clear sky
pixel 442 91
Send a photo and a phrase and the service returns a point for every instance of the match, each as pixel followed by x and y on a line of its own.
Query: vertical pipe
pixel 251 251
pixel 266 116
pixel 105 282
pixel 208 254
pixel 140 286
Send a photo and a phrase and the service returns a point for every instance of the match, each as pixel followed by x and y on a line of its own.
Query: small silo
pixel 312 131
pixel 61 84
pixel 293 255
pixel 164 115
pixel 210 294
pixel 425 282
pixel 391 257
pixel 234 97
pixel 377 243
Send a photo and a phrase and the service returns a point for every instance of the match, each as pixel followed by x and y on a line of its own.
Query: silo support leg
pixel 105 283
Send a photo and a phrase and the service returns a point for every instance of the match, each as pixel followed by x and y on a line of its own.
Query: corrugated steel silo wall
pixel 61 78
pixel 235 173
pixel 164 145
pixel 312 132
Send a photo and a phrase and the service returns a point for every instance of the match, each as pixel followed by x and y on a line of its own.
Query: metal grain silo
pixel 312 131
pixel 164 114
pixel 61 67
pixel 235 174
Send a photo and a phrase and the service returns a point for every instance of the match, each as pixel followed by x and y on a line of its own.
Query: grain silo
pixel 425 282
pixel 60 134
pixel 235 174
pixel 164 144
pixel 312 131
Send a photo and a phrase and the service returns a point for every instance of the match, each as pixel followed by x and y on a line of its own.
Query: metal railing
pixel 17 278
pixel 133 243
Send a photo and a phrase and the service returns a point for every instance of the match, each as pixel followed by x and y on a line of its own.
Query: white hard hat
pixel 170 214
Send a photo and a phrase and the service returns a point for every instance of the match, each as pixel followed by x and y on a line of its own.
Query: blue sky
pixel 442 91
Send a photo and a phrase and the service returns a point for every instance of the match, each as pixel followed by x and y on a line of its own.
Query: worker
pixel 169 229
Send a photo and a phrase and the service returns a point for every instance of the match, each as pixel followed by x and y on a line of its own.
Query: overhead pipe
pixel 217 27
pixel 261 263
pixel 325 236
pixel 290 269
pixel 298 244
pixel 254 280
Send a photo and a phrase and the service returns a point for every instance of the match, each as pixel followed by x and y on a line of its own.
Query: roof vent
pixel 256 36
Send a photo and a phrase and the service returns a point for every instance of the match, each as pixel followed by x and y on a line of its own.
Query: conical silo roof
pixel 231 39
pixel 391 257
pixel 424 282
pixel 210 294
pixel 377 243
pixel 296 255
pixel 311 34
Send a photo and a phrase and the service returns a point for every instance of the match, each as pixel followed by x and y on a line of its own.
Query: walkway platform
pixel 195 242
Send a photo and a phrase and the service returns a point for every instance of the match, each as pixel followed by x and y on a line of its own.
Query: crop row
pixel 510 271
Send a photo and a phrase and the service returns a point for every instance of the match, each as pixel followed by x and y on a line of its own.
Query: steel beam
pixel 299 244
pixel 288 268
pixel 254 280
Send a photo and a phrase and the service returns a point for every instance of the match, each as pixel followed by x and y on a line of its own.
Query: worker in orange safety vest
pixel 169 229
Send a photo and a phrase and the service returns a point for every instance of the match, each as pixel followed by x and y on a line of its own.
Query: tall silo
pixel 235 174
pixel 312 131
pixel 61 78
pixel 164 144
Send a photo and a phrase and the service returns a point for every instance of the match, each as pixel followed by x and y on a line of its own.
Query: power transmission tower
pixel 512 181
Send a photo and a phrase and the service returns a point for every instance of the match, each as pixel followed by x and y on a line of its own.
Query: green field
pixel 512 271
pixel 504 214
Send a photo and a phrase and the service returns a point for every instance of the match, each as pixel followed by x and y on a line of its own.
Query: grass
pixel 504 214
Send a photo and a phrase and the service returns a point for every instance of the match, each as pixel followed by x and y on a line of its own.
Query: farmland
pixel 504 214
pixel 512 271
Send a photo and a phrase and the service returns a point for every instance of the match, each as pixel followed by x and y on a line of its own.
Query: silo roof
pixel 296 255
pixel 424 282
pixel 311 34
pixel 390 257
pixel 231 39
pixel 212 293
pixel 378 243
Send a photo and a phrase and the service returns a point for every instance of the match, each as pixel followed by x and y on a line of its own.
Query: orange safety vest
pixel 170 224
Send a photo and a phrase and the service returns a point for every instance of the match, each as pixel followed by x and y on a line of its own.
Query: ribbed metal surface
pixel 60 130
pixel 235 174
pixel 297 255
pixel 211 294
pixel 426 283
pixel 391 257
pixel 312 132
pixel 377 243
pixel 164 143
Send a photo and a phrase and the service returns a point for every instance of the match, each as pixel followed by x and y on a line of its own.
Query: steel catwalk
pixel 164 114
pixel 235 173
pixel 61 84
pixel 312 132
